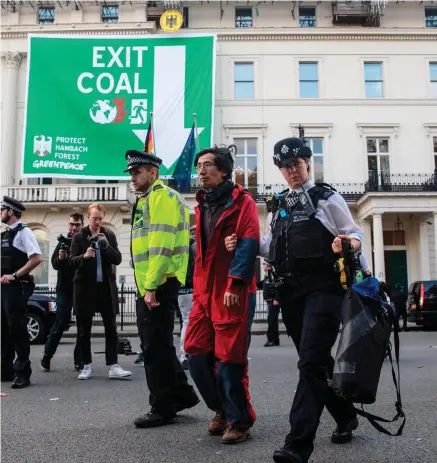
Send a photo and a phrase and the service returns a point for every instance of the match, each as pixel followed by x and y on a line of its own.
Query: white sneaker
pixel 116 372
pixel 85 373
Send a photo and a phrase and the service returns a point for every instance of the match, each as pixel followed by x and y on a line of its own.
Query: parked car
pixel 422 303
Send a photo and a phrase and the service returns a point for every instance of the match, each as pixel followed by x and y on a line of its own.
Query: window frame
pixel 434 145
pixel 245 156
pixel 244 81
pixel 382 81
pixel 307 17
pixel 378 154
pixel 317 63
pixel 239 22
pixel 310 144
pixel 432 82
pixel 110 18
pixel 50 19
pixel 431 23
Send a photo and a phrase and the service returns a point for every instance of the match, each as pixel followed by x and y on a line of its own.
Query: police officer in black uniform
pixel 308 223
pixel 20 255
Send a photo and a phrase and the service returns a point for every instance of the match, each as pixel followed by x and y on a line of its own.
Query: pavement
pixel 61 419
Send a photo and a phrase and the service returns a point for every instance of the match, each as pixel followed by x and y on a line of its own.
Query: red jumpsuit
pixel 217 337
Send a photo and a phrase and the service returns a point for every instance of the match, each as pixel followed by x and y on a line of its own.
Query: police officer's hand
pixel 90 253
pixel 336 244
pixel 6 279
pixel 231 242
pixel 62 254
pixel 150 299
pixel 231 300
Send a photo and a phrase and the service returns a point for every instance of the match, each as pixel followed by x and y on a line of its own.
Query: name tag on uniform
pixel 138 225
pixel 300 218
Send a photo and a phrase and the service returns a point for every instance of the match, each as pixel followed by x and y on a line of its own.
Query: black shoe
pixel 287 455
pixel 277 342
pixel 343 433
pixel 20 382
pixel 153 420
pixel 269 344
pixel 45 363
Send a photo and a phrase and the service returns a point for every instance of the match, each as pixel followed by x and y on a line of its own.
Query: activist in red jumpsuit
pixel 217 337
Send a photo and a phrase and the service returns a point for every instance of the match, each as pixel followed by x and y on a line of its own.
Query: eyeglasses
pixel 206 164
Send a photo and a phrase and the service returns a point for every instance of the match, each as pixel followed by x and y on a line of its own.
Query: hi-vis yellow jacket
pixel 160 237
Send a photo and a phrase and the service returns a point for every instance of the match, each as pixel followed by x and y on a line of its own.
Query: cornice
pixel 8 32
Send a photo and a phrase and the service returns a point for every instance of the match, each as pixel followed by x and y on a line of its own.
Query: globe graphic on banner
pixel 103 112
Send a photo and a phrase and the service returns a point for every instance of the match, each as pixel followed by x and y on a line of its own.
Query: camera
pixel 65 242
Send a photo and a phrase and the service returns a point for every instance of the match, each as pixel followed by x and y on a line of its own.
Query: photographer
pixel 93 253
pixel 64 293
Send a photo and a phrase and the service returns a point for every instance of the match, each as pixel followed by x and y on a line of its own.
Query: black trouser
pixel 15 336
pixel 166 379
pixel 313 322
pixel 64 303
pixel 273 322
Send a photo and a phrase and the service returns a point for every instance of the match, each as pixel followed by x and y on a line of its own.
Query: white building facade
pixel 360 77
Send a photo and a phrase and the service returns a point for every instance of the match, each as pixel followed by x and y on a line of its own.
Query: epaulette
pixel 326 185
pixel 157 187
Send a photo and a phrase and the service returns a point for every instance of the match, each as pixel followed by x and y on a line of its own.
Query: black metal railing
pixel 127 305
pixel 401 183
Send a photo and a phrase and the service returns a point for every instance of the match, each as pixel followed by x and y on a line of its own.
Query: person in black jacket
pixel 399 300
pixel 94 251
pixel 64 294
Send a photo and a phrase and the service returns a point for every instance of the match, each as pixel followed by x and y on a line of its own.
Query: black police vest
pixel 301 245
pixel 12 258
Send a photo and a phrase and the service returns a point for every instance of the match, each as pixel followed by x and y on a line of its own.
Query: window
pixel 433 79
pixel 41 273
pixel 46 15
pixel 308 80
pixel 307 17
pixel 316 145
pixel 435 152
pixel 378 161
pixel 243 17
pixel 244 83
pixel 431 17
pixel 246 163
pixel 109 13
pixel 373 80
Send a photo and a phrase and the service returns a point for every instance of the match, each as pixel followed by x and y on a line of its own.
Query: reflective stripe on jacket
pixel 160 237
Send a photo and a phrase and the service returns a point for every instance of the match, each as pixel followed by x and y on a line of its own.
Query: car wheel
pixel 35 327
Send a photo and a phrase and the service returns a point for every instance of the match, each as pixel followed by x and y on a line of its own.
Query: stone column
pixel 424 252
pixel 366 245
pixel 378 247
pixel 12 61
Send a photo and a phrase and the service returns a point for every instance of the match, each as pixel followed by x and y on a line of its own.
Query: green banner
pixel 89 100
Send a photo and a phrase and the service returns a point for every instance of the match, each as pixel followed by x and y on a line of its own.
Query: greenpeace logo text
pixel 58 165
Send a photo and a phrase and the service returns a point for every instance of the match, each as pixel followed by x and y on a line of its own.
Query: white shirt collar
pixel 306 186
pixel 14 225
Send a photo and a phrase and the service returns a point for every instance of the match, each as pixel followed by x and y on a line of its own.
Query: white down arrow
pixel 169 105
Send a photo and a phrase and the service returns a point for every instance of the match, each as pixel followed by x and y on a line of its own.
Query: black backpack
pixel 364 344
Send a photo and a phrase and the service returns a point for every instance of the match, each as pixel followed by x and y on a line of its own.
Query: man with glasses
pixel 20 254
pixel 217 336
pixel 64 293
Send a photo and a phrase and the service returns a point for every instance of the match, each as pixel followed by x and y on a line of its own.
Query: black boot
pixel 287 455
pixel 343 433
pixel 153 420
pixel 45 363
pixel 20 381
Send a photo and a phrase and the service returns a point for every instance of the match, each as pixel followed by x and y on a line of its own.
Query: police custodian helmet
pixel 288 150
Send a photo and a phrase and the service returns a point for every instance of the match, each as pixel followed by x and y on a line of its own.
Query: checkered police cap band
pixel 141 161
pixel 6 205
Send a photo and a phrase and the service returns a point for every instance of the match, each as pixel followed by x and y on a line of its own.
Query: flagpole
pixel 153 133
pixel 196 135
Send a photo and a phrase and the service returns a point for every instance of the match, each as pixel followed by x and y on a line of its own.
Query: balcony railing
pixel 71 193
pixel 401 183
